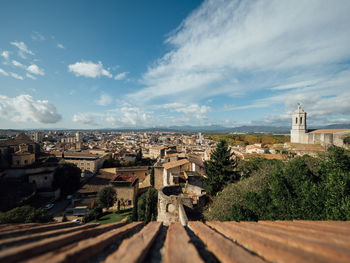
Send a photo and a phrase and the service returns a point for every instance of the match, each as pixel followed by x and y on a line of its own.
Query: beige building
pixel 324 137
pixel 157 151
pixel 17 152
pixel 126 186
pixel 166 173
pixel 87 162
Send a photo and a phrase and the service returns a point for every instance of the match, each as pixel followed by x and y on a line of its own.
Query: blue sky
pixel 116 64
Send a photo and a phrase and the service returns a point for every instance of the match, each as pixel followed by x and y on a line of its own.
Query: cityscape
pixel 174 131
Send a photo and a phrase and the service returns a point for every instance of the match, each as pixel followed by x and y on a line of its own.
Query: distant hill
pixel 205 129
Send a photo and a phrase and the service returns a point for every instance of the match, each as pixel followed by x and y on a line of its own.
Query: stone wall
pixel 170 202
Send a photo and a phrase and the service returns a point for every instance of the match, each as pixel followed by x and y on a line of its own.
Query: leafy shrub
pixel 304 188
pixel 26 214
pixel 93 214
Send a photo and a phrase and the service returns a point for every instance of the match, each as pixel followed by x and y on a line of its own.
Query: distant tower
pixel 78 137
pixel 38 136
pixel 298 132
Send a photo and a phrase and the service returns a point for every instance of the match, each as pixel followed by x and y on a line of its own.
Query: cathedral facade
pixel 325 137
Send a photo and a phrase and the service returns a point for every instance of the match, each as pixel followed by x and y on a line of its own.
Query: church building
pixel 325 137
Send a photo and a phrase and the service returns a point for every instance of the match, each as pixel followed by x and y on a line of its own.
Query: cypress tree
pixel 152 177
pixel 219 170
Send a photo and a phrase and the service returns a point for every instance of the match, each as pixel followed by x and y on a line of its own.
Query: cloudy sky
pixel 98 64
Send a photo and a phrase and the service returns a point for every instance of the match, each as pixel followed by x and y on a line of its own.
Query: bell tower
pixel 298 132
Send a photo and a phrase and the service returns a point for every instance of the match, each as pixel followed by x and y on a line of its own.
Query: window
pixel 296 120
pixel 129 202
pixel 301 120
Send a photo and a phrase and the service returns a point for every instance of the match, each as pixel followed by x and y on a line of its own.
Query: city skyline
pixel 93 65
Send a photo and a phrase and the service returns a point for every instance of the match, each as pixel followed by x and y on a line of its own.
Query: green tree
pixel 219 170
pixel 107 196
pixel 139 156
pixel 67 177
pixel 146 206
pixel 152 177
pixel 118 206
pixel 151 204
pixel 64 217
pixel 134 216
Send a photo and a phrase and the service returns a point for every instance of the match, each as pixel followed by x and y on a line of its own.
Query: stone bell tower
pixel 298 132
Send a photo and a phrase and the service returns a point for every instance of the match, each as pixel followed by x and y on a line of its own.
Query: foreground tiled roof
pixel 263 241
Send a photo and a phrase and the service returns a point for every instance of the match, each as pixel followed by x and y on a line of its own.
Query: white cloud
pixel 60 46
pixel 104 100
pixel 36 36
pixel 120 76
pixel 191 109
pixel 254 42
pixel 25 108
pixel 16 76
pixel 30 76
pixel 89 69
pixel 84 118
pixel 301 84
pixel 22 49
pixel 17 64
pixel 35 70
pixel 129 116
pixel 325 102
pixel 5 54
pixel 3 72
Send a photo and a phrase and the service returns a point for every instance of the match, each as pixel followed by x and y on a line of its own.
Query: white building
pixel 325 137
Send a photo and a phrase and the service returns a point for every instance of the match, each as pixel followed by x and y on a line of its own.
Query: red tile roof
pixel 329 130
pixel 124 178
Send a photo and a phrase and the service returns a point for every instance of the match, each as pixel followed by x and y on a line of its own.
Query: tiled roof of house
pixel 173 164
pixel 263 241
pixel 329 130
pixel 19 139
pixel 96 183
pixel 124 178
pixel 306 147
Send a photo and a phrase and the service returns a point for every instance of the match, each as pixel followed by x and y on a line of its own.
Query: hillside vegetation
pixel 246 139
pixel 302 188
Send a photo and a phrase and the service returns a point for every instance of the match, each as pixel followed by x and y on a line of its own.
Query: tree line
pixel 310 188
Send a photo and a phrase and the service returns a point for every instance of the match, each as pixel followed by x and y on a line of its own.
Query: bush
pixel 304 188
pixel 26 214
pixel 93 214
pixel 255 178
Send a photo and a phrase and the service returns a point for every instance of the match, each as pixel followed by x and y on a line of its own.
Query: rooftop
pixel 124 178
pixel 173 164
pixel 329 130
pixel 263 241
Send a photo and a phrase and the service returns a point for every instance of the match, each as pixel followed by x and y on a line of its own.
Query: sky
pixel 156 63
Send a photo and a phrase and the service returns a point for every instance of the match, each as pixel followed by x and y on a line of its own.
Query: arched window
pixel 296 120
pixel 301 120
